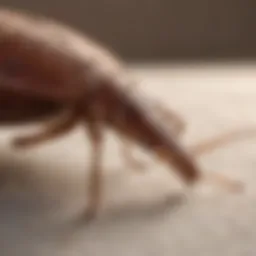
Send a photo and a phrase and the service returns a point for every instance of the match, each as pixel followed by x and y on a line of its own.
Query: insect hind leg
pixel 59 127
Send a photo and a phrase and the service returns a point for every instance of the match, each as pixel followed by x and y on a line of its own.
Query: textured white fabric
pixel 45 186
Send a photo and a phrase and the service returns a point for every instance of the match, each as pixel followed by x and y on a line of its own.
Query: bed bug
pixel 49 69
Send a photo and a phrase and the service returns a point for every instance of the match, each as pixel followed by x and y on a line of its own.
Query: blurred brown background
pixel 142 30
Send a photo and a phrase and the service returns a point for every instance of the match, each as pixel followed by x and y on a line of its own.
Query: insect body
pixel 50 69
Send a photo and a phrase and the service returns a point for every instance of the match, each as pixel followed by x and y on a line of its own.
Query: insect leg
pixel 95 184
pixel 53 130
pixel 94 126
pixel 128 157
pixel 224 182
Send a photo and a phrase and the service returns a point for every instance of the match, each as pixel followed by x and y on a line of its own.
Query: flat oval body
pixel 18 108
pixel 42 57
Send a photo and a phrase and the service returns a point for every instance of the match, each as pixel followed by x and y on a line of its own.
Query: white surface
pixel 45 186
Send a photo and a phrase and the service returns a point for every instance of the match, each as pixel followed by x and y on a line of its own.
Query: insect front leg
pixel 59 127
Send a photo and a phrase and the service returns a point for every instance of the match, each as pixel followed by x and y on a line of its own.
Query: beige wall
pixel 153 29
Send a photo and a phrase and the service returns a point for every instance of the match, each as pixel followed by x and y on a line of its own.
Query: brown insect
pixel 48 69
